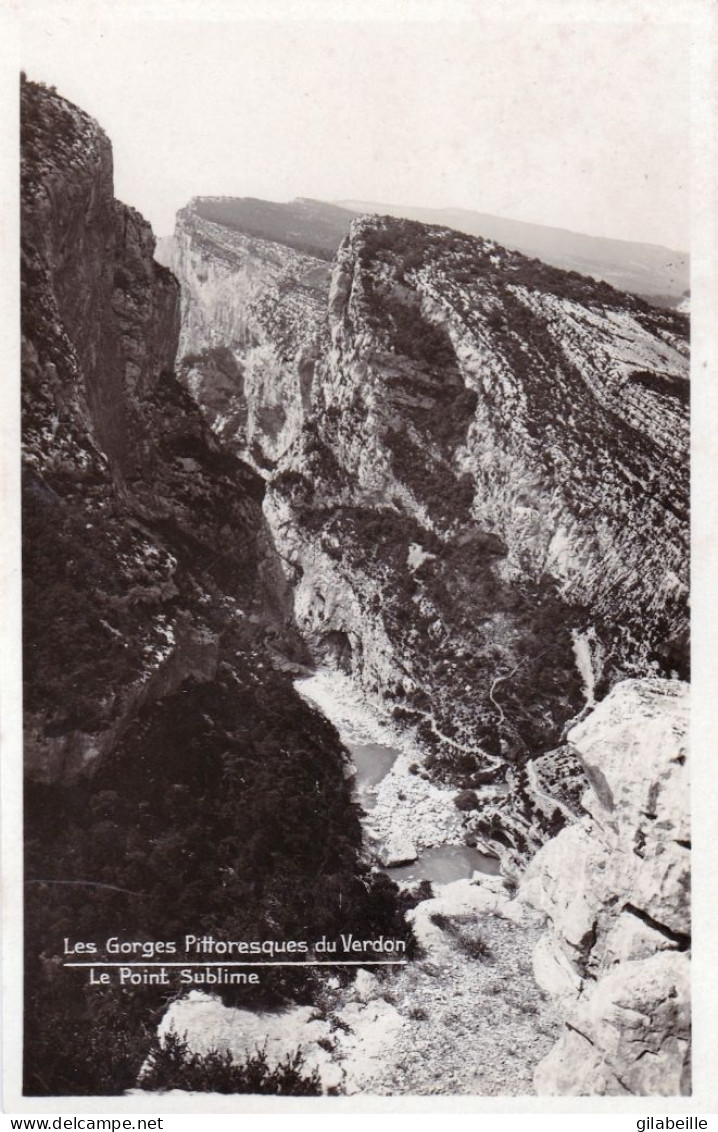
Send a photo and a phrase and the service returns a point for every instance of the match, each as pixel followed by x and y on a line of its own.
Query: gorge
pixel 449 476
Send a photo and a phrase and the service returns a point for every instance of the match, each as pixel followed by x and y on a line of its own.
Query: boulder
pixel 366 986
pixel 398 850
pixel 574 1068
pixel 614 888
pixel 638 1015
pixel 633 748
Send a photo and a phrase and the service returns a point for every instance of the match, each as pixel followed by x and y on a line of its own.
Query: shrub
pixel 462 929
pixel 466 800
pixel 474 946
pixel 173 1066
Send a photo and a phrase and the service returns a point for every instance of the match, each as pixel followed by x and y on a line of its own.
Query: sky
pixel 576 124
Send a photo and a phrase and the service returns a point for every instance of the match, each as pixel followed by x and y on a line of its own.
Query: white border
pixel 703 18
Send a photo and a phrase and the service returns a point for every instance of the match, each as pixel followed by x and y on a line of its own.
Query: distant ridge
pixel 662 275
pixel 310 226
pixel 317 228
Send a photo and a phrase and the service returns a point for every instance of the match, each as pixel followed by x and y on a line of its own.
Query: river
pixel 374 756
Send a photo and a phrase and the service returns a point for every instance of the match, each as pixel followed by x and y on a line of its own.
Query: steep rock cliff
pixel 123 486
pixel 255 304
pixel 573 399
pixel 114 311
pixel 615 890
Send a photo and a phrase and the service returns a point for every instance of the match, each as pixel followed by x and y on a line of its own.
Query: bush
pixel 463 930
pixel 173 1066
pixel 466 800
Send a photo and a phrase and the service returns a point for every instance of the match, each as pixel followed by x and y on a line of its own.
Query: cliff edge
pixel 615 890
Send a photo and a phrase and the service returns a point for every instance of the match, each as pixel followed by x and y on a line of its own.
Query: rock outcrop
pixel 256 304
pixel 134 519
pixel 615 889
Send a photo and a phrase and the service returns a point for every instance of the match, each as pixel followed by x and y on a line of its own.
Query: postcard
pixel 361 380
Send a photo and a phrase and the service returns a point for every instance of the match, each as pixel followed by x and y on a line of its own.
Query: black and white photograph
pixel 356 460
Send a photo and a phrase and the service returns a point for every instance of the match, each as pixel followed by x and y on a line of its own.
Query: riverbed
pixel 395 801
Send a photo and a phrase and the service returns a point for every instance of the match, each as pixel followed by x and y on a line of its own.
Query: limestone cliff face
pixel 260 302
pixel 477 483
pixel 577 443
pixel 132 517
pixel 615 890
pixel 118 308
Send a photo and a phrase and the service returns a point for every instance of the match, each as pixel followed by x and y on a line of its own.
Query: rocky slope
pixel 466 1017
pixel 477 484
pixel 615 957
pixel 175 782
pixel 610 972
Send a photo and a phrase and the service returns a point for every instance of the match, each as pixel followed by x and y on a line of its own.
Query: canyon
pixel 453 478
pixel 464 450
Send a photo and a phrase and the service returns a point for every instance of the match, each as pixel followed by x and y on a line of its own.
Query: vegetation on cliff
pixel 312 227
